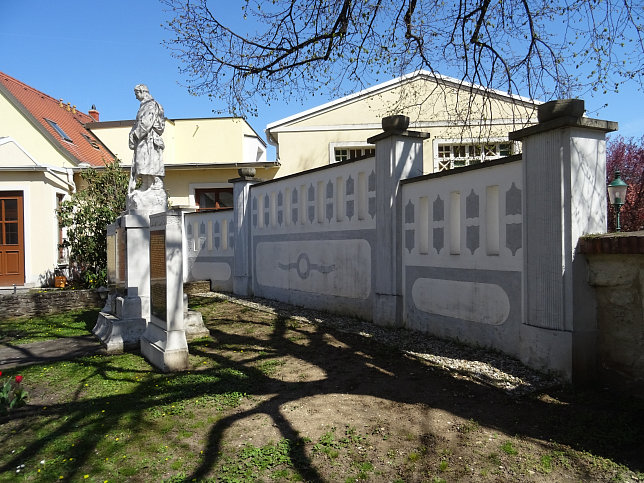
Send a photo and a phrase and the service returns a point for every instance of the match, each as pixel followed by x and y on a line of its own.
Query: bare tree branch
pixel 294 48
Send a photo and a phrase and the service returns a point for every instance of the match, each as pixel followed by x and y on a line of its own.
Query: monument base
pixel 167 350
pixel 153 200
pixel 117 335
pixel 193 322
pixel 123 330
pixel 195 328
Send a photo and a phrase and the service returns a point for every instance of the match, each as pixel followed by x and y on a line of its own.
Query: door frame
pixel 20 277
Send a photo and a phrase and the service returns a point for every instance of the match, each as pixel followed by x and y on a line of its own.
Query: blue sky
pixel 95 52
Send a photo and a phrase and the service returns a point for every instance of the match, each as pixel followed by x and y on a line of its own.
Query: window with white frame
pixel 346 153
pixel 456 155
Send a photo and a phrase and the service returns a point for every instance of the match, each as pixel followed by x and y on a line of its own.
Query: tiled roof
pixel 82 145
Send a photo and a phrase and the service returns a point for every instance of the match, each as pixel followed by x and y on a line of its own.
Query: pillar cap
pixel 562 113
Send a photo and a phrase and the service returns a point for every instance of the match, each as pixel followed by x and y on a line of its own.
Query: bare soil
pixel 353 409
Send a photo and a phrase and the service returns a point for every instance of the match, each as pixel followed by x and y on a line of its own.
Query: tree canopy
pixel 541 49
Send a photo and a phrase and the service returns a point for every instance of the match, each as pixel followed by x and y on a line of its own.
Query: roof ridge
pixel 61 125
pixel 33 89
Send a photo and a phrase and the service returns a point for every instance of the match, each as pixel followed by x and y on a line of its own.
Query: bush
pixel 86 216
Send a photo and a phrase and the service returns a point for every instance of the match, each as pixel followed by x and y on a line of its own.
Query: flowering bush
pixel 12 394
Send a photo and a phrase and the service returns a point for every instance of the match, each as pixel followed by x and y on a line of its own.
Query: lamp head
pixel 617 190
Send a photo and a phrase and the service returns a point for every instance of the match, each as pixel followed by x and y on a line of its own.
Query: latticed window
pixel 457 155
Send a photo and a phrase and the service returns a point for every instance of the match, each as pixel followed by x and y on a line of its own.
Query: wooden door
pixel 12 246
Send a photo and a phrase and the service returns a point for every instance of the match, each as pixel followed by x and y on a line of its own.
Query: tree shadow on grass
pixel 602 424
pixel 19 330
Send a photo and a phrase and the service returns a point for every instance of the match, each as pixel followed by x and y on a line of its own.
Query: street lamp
pixel 617 194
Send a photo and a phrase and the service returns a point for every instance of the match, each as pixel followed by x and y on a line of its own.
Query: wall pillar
pixel 399 155
pixel 564 179
pixel 242 267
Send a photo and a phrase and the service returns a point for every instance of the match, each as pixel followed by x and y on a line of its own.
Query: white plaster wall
pixel 350 207
pixel 339 268
pixel 323 256
pixel 253 150
pixel 462 255
pixel 209 244
pixel 506 177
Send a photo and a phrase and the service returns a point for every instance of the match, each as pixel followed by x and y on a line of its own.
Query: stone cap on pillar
pixel 396 126
pixel 246 173
pixel 562 113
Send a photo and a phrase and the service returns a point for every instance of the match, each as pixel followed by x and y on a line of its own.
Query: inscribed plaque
pixel 158 291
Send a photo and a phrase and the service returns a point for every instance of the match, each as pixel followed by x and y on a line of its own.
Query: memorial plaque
pixel 158 290
pixel 111 259
pixel 121 259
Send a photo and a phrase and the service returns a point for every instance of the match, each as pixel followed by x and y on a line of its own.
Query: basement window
pixel 59 130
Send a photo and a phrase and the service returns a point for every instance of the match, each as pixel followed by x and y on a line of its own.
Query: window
pixel 93 143
pixel 59 130
pixel 344 154
pixel 213 198
pixel 457 155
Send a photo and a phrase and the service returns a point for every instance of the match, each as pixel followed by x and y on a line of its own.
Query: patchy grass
pixel 241 413
pixel 22 330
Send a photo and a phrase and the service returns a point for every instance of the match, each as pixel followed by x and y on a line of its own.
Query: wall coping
pixel 463 169
pixel 623 243
pixel 562 122
pixel 312 170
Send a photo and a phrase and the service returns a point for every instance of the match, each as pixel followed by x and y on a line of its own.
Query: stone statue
pixel 147 165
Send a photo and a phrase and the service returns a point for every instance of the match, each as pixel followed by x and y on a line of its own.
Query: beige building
pixel 467 123
pixel 45 143
pixel 43 147
pixel 200 156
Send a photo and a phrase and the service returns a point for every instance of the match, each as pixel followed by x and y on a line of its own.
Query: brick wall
pixel 41 302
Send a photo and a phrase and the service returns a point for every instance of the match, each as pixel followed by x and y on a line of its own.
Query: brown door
pixel 12 246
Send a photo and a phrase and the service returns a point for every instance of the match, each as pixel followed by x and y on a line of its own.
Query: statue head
pixel 141 91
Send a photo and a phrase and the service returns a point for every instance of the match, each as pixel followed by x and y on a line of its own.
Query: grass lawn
pixel 268 398
pixel 23 330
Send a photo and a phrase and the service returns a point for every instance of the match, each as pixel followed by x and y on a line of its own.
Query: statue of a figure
pixel 145 139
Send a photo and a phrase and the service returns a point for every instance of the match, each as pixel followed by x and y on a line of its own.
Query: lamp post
pixel 617 194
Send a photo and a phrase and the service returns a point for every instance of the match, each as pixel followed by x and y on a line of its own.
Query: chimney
pixel 93 112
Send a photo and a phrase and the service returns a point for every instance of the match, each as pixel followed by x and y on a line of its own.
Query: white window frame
pixel 468 142
pixel 199 186
pixel 348 145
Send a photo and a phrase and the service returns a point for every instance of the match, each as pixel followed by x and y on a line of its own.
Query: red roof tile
pixel 84 146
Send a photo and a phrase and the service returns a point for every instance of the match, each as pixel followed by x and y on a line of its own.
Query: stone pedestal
pixel 127 312
pixel 193 321
pixel 164 342
pixel 120 325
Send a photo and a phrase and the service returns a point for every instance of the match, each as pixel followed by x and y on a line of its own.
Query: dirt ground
pixel 356 410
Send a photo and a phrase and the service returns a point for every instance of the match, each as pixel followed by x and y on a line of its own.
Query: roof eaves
pixel 30 117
